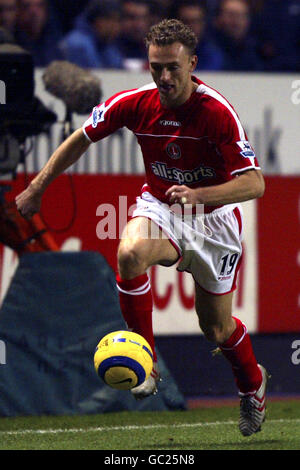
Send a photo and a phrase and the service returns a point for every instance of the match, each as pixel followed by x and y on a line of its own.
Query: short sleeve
pixel 236 150
pixel 108 117
pixel 102 122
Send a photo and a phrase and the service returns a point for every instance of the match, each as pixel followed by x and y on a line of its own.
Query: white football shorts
pixel 209 245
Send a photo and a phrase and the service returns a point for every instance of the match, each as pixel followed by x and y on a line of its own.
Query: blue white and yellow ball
pixel 123 359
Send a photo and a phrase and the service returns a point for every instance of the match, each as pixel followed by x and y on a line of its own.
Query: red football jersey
pixel 199 143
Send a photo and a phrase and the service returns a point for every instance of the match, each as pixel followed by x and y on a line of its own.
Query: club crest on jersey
pixel 247 150
pixel 173 150
pixel 97 115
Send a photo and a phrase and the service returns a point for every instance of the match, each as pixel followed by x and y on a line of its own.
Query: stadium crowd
pixel 234 35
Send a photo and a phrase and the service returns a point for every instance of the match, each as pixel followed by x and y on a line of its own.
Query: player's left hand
pixel 181 194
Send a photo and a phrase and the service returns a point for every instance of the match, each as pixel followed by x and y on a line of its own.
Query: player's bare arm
pixel 245 186
pixel 29 201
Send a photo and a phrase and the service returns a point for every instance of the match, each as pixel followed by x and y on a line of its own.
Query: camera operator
pixel 21 116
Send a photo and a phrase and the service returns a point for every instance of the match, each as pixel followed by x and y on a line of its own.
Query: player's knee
pixel 130 261
pixel 210 332
pixel 214 332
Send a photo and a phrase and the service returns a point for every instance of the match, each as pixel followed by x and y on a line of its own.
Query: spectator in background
pixel 93 43
pixel 158 11
pixel 277 27
pixel 8 15
pixel 68 11
pixel 136 17
pixel 193 14
pixel 38 31
pixel 232 25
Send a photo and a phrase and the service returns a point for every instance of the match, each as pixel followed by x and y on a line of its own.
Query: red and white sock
pixel 137 305
pixel 238 350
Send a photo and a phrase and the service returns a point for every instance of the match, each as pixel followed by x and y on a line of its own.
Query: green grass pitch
pixel 197 429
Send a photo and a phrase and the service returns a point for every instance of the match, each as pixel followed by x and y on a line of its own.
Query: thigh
pixel 215 263
pixel 148 241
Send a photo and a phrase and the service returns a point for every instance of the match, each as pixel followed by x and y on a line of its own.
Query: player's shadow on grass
pixel 248 442
pixel 251 443
pixel 171 444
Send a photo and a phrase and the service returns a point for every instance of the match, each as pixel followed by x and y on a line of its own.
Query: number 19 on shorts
pixel 228 263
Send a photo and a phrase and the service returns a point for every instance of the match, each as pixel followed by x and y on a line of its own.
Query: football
pixel 123 359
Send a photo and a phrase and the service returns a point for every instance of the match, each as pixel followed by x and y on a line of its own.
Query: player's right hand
pixel 28 202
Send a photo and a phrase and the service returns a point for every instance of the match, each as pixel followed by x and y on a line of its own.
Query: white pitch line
pixel 133 427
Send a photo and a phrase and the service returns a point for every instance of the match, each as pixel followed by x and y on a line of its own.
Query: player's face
pixel 171 67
